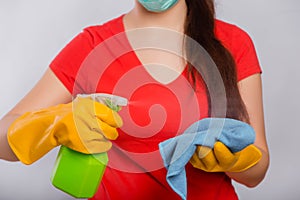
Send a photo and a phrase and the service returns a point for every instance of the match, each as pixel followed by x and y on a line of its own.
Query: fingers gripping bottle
pixel 80 174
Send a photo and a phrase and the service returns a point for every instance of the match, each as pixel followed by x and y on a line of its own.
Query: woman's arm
pixel 47 92
pixel 251 92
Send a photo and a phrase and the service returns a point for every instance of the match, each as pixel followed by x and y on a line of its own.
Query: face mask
pixel 157 5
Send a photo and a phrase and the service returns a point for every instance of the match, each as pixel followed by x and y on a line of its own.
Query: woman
pixel 126 176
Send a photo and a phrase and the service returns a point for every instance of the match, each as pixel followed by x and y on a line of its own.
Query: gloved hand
pixel 83 125
pixel 221 159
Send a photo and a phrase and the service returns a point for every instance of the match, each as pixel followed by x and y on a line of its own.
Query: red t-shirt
pixel 100 59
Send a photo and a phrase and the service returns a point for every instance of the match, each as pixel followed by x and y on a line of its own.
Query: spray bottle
pixel 80 174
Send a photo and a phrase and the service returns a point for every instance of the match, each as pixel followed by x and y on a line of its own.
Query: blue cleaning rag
pixel 176 152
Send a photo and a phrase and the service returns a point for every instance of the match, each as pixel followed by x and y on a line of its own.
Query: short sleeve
pixel 68 61
pixel 244 53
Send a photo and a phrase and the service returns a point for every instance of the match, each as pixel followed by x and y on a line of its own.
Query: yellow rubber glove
pixel 83 125
pixel 221 159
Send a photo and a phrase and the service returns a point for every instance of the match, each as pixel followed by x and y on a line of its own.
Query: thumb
pixel 225 158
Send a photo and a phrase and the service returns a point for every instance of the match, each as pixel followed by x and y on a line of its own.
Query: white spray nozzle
pixel 110 100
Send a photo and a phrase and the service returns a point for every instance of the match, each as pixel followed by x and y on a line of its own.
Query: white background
pixel 32 32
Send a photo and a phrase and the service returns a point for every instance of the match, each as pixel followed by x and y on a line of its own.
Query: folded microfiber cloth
pixel 176 152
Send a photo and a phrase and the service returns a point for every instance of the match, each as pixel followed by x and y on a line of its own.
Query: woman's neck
pixel 173 18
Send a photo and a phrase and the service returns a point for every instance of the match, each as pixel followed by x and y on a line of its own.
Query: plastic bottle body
pixel 78 174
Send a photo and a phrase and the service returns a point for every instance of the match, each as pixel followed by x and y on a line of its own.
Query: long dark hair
pixel 200 26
